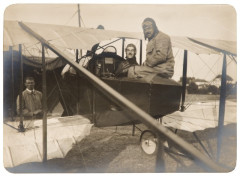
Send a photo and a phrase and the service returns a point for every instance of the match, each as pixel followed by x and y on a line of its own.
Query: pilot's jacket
pixel 159 59
pixel 159 55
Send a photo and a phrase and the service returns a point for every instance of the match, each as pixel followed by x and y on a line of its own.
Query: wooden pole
pixel 77 89
pixel 133 130
pixel 140 52
pixel 79 25
pixel 123 46
pixel 160 164
pixel 79 55
pixel 12 82
pixel 94 106
pixel 184 79
pixel 20 127
pixel 222 106
pixel 44 105
pixel 79 17
pixel 76 55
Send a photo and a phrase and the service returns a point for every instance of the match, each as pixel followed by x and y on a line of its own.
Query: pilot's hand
pixel 125 64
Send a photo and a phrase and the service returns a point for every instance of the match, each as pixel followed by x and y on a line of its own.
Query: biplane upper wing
pixel 84 38
pixel 14 35
pixel 205 46
pixel 229 47
pixel 186 44
pixel 62 36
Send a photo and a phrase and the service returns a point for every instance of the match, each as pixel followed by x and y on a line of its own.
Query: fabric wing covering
pixel 62 36
pixel 186 44
pixel 63 132
pixel 200 116
pixel 219 45
pixel 69 37
pixel 204 46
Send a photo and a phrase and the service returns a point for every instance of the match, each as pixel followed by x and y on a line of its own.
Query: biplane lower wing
pixel 63 132
pixel 200 116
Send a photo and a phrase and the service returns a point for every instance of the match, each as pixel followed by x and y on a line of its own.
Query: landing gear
pixel 149 142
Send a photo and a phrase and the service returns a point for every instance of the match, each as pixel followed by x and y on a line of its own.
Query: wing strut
pixel 12 80
pixel 44 105
pixel 21 127
pixel 123 46
pixel 132 108
pixel 140 52
pixel 222 106
pixel 184 79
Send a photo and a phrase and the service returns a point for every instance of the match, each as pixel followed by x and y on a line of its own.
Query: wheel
pixel 149 142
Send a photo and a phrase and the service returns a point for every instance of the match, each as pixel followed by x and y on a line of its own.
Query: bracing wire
pixel 210 81
pixel 233 58
pixel 191 67
pixel 206 64
pixel 229 62
pixel 82 21
pixel 176 53
pixel 215 63
pixel 60 91
pixel 175 56
pixel 190 102
pixel 72 17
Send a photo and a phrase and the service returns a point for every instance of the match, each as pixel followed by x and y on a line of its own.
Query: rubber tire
pixel 149 147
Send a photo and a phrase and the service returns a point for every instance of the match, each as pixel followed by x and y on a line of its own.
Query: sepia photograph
pixel 119 88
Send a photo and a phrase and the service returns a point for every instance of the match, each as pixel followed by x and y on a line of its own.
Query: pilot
pixel 159 55
pixel 130 61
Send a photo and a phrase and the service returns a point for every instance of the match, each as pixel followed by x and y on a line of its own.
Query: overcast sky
pixel 202 21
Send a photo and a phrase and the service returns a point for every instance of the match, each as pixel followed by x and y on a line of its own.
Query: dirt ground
pixel 115 150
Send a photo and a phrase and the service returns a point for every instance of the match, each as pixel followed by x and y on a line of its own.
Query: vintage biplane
pixel 102 98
